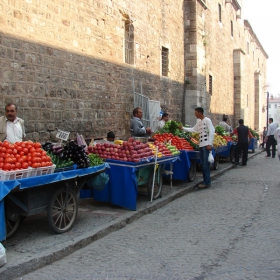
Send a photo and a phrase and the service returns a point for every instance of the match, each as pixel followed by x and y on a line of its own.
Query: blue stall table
pixel 185 168
pixel 28 196
pixel 253 144
pixel 125 178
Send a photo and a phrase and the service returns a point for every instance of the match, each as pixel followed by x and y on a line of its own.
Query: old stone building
pixel 75 65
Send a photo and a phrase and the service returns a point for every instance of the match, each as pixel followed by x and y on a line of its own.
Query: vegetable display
pixel 22 155
pixel 171 127
pixel 178 142
pixel 95 160
pixel 71 152
pixel 131 150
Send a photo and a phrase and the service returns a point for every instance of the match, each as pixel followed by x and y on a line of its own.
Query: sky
pixel 264 18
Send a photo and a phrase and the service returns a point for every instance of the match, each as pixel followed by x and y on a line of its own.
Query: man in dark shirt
pixel 244 135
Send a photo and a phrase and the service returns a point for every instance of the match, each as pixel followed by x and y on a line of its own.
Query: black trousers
pixel 271 142
pixel 241 147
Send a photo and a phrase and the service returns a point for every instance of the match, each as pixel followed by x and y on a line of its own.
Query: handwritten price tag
pixel 63 135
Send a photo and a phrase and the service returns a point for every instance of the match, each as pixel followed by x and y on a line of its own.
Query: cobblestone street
pixel 229 231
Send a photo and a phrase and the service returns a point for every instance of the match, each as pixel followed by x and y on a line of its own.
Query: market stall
pixel 126 177
pixel 55 193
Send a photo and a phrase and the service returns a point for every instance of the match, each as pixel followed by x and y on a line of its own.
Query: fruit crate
pixel 14 175
pixel 42 170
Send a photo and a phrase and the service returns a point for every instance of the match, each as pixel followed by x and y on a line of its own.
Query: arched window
pixel 129 42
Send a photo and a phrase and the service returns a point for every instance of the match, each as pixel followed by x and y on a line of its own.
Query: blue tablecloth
pixel 224 151
pixel 182 166
pixel 32 182
pixel 121 189
pixel 253 144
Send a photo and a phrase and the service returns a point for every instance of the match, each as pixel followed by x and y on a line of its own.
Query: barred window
pixel 210 84
pixel 164 61
pixel 129 42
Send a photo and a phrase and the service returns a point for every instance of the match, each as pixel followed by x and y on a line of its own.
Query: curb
pixel 17 270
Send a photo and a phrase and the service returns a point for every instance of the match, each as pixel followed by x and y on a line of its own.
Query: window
pixel 164 61
pixel 248 48
pixel 220 13
pixel 231 28
pixel 210 84
pixel 129 42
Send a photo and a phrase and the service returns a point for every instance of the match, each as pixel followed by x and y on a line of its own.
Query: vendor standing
pixel 206 132
pixel 11 127
pixel 136 127
pixel 163 120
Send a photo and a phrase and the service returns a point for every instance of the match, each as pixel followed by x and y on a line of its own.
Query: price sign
pixel 62 135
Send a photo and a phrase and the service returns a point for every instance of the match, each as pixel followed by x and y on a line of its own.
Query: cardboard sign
pixel 62 135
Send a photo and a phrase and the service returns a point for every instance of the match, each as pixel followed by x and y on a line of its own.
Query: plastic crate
pixel 14 175
pixel 42 170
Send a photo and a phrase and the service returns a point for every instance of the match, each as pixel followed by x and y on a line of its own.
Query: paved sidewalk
pixel 35 245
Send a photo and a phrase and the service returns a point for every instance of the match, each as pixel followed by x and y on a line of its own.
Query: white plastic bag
pixel 210 157
pixel 3 259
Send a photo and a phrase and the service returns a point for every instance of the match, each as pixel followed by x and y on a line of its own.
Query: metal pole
pixel 267 98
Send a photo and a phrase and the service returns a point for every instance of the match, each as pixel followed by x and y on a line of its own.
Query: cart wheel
pixel 12 224
pixel 157 185
pixel 192 171
pixel 216 162
pixel 62 210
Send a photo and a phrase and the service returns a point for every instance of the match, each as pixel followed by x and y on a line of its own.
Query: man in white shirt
pixel 206 132
pixel 277 139
pixel 270 141
pixel 11 127
pixel 164 119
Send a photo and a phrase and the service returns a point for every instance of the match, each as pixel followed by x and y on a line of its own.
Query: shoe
pixel 243 164
pixel 235 162
pixel 267 156
pixel 273 157
pixel 203 186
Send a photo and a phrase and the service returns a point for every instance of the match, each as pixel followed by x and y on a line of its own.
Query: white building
pixel 274 109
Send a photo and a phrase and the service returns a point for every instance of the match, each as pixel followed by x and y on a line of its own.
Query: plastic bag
pixel 99 181
pixel 210 157
pixel 3 259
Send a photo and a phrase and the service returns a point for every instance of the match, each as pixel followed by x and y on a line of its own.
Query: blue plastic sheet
pixel 122 187
pixel 224 151
pixel 7 186
pixel 181 167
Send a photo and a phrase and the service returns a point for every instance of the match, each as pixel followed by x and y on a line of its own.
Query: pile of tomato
pixel 179 143
pixel 22 155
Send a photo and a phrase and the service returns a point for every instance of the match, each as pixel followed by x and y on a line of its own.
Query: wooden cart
pixel 58 196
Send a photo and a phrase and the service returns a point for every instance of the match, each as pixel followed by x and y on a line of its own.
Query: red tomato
pixel 6 144
pixel 32 149
pixel 25 150
pixel 37 145
pixel 7 166
pixel 24 165
pixel 8 160
pixel 18 165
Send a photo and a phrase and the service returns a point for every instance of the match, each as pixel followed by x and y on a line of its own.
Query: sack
pixel 210 157
pixel 99 181
pixel 3 259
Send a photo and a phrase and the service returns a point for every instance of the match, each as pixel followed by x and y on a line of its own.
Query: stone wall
pixel 231 59
pixel 62 62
